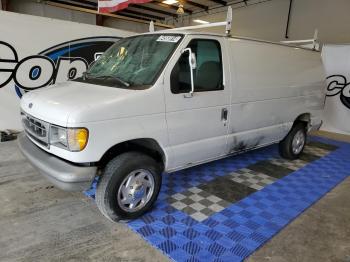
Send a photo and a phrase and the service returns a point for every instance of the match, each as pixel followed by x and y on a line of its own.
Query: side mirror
pixel 192 61
pixel 96 57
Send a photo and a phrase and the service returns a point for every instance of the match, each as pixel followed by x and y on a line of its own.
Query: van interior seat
pixel 209 76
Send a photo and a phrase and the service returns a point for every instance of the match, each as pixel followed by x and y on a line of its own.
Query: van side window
pixel 208 76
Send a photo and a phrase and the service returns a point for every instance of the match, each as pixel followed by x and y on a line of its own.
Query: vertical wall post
pixel 288 20
pixel 99 20
pixel 4 5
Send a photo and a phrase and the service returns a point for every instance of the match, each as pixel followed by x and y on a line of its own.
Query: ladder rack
pixel 227 24
pixel 314 42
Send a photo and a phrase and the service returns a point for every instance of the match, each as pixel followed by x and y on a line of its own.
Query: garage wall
pixel 261 20
pixel 127 25
pixel 267 19
pixel 32 7
pixel 330 16
pixel 264 19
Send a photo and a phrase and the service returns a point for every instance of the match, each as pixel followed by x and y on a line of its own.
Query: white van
pixel 165 101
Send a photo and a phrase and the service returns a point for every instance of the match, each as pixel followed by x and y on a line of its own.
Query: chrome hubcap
pixel 136 190
pixel 298 142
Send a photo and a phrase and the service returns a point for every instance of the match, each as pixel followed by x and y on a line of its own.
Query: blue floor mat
pixel 227 209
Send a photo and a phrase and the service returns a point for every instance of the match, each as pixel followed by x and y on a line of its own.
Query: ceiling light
pixel 200 21
pixel 181 10
pixel 170 2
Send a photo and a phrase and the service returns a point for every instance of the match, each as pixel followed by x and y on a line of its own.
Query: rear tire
pixel 292 146
pixel 129 186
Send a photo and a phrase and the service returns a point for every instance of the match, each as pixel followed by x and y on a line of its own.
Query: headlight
pixel 58 136
pixel 72 139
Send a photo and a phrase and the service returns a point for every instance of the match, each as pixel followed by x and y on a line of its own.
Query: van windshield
pixel 133 62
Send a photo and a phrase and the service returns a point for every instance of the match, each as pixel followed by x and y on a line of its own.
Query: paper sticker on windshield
pixel 169 38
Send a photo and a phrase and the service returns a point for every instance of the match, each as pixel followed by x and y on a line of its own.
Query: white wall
pixel 30 35
pixel 268 19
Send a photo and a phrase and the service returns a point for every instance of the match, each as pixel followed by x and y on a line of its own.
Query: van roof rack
pixel 227 24
pixel 310 44
pixel 315 44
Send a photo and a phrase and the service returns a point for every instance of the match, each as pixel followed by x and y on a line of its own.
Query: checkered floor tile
pixel 225 210
pixel 227 189
pixel 251 178
pixel 317 151
pixel 326 146
pixel 290 164
pixel 197 203
pixel 271 169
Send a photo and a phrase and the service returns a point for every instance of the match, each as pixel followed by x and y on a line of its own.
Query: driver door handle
pixel 224 115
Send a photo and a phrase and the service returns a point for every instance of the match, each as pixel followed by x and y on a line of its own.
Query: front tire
pixel 129 186
pixel 292 146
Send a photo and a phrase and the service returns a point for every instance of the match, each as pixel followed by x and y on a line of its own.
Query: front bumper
pixel 62 174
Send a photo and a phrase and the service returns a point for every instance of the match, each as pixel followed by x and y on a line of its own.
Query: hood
pixel 74 102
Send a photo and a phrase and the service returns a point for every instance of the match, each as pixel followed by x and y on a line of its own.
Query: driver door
pixel 197 125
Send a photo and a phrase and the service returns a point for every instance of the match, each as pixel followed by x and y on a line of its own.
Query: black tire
pixel 286 145
pixel 112 178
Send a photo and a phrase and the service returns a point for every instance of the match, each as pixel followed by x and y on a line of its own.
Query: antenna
pixel 151 27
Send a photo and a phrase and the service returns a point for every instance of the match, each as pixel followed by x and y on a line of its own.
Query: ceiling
pixel 156 10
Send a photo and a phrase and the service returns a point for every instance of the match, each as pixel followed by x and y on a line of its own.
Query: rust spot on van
pixel 240 146
pixel 245 145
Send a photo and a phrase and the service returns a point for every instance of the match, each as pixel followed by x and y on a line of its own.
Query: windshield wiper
pixel 119 79
pixel 87 75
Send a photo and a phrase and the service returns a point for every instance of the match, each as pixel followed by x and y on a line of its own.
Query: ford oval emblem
pixel 30 105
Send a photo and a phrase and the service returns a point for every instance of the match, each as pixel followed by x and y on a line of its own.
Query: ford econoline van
pixel 165 101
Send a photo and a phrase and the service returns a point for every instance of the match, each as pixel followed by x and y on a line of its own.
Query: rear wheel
pixel 292 146
pixel 129 186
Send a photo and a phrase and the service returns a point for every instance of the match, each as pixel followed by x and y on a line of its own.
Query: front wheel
pixel 292 146
pixel 129 186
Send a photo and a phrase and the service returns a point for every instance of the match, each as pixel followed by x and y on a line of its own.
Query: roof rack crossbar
pixel 151 27
pixel 199 26
pixel 314 41
pixel 227 23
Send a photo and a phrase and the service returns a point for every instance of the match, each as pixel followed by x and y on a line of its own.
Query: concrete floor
pixel 41 223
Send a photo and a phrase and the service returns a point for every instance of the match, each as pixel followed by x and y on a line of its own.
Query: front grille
pixel 36 128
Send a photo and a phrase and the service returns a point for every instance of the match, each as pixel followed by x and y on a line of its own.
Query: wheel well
pixel 147 146
pixel 303 118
